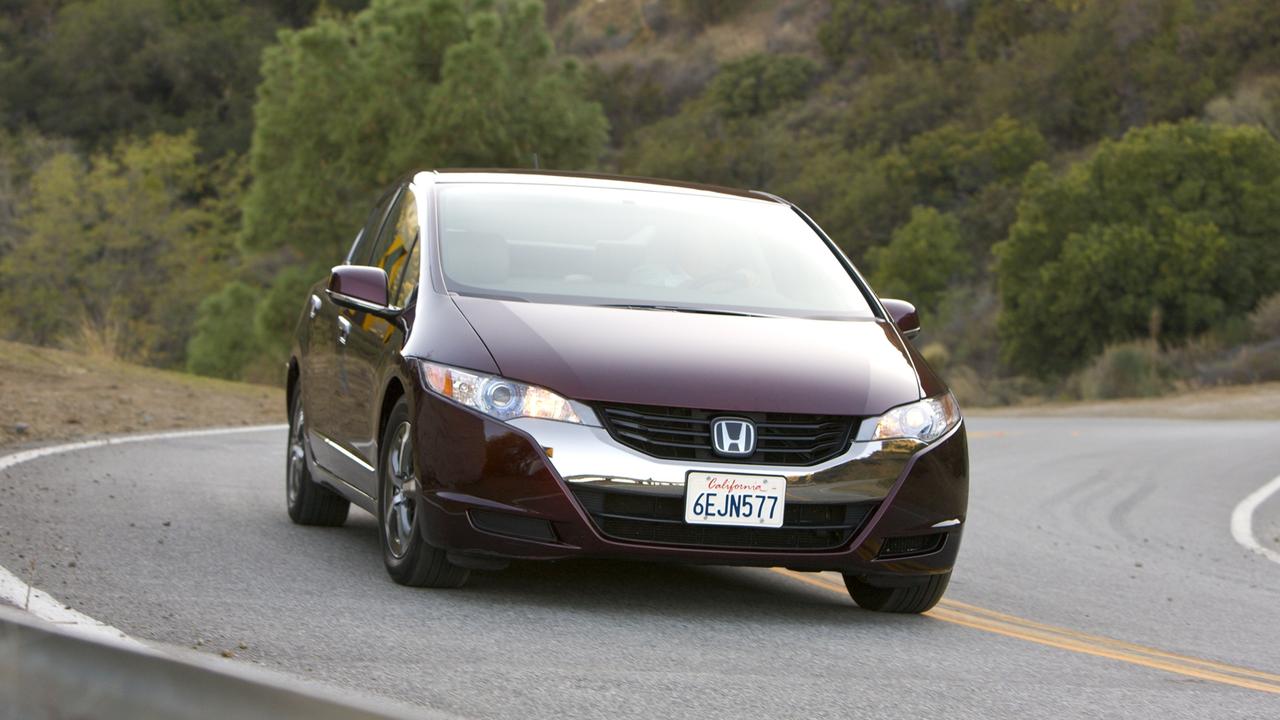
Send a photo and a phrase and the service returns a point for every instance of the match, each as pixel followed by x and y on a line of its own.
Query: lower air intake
pixel 897 547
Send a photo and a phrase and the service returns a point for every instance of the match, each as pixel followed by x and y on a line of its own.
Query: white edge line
pixel 41 604
pixel 1242 520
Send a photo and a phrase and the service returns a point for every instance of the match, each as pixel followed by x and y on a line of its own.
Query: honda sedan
pixel 534 365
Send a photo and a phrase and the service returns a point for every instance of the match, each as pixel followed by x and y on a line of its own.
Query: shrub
pixel 925 257
pixel 1265 319
pixel 221 346
pixel 1132 369
pixel 760 83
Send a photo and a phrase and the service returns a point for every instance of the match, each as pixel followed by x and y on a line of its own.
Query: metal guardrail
pixel 48 672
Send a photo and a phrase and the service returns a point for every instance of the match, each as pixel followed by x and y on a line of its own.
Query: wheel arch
pixel 390 396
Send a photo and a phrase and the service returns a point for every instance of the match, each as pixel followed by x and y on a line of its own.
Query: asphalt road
pixel 1116 528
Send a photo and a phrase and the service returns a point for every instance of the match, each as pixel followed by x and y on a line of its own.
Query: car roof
pixel 582 179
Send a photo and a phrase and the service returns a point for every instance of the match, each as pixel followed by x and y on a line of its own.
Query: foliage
pixel 889 108
pixel 707 12
pixel 404 85
pixel 1177 220
pixel 923 134
pixel 105 68
pixel 925 257
pixel 121 241
pixel 220 346
pixel 1256 102
pixel 699 144
pixel 1265 318
pixel 1132 369
pixel 760 83
pixel 631 98
pixel 949 168
pixel 886 30
pixel 277 313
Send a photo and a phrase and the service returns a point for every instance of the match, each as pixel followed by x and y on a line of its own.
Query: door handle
pixel 315 307
pixel 344 330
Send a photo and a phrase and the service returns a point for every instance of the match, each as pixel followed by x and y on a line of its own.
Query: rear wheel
pixel 309 502
pixel 409 559
pixel 916 597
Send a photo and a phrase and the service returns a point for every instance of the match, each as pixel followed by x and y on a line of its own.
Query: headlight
pixel 926 420
pixel 496 396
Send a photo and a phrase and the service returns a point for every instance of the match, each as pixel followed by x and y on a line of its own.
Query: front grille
pixel 652 518
pixel 685 434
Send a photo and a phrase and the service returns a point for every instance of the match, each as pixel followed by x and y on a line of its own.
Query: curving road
pixel 1098 578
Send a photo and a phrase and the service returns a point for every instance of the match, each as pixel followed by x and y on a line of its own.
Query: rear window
pixel 609 246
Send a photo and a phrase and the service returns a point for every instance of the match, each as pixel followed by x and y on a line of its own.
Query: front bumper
pixel 492 488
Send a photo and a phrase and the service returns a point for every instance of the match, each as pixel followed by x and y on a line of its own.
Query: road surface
pixel 1098 578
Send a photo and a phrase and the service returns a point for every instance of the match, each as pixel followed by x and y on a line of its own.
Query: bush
pixel 924 258
pixel 760 83
pixel 223 344
pixel 1265 319
pixel 1133 369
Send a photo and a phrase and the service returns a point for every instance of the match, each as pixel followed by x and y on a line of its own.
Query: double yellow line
pixel 972 616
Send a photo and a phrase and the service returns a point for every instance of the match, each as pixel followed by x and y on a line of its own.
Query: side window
pixel 360 249
pixel 399 237
pixel 412 269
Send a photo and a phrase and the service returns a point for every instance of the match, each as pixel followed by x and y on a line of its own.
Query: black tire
pixel 409 559
pixel 309 502
pixel 916 597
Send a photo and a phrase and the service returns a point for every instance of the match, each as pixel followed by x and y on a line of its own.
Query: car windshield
pixel 639 248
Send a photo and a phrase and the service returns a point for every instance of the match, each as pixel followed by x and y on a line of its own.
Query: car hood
pixel 714 362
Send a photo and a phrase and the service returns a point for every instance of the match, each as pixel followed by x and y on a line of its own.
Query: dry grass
pixel 60 395
pixel 1237 402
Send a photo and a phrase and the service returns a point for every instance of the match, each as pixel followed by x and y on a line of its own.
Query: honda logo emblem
pixel 733 437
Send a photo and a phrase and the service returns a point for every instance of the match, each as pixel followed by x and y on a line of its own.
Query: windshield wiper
pixel 681 308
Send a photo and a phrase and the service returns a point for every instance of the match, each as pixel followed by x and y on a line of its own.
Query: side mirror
pixel 360 287
pixel 904 315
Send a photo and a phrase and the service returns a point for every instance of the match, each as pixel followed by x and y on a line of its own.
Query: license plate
pixel 722 499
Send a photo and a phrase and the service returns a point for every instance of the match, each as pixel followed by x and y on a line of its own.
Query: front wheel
pixel 916 597
pixel 409 559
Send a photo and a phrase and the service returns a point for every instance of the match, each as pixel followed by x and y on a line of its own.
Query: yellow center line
pixel 958 606
pixel 978 618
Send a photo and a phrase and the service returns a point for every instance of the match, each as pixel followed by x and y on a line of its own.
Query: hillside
pixel 1071 192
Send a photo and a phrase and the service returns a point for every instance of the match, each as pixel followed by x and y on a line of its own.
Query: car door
pixel 366 343
pixel 325 380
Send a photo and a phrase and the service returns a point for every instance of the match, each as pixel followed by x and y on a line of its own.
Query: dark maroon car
pixel 539 365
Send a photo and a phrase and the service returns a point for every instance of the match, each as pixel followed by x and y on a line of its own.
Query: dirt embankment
pixel 51 395
pixel 1236 402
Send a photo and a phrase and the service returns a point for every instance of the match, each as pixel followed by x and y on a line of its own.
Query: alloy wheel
pixel 297 457
pixel 399 485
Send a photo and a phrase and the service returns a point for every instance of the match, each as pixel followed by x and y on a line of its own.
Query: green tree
pixel 925 257
pixel 349 104
pixel 276 316
pixel 1176 221
pixel 760 83
pixel 97 69
pixel 119 245
pixel 948 168
pixel 891 30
